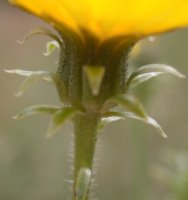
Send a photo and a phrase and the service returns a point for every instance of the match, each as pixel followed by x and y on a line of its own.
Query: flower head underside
pixel 109 18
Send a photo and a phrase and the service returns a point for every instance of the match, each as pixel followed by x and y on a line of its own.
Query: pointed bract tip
pixel 18 94
pixel 50 133
pixel 16 117
pixel 181 75
pixel 164 136
pixel 8 71
pixel 21 41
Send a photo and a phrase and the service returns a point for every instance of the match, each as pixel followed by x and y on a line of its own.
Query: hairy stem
pixel 85 130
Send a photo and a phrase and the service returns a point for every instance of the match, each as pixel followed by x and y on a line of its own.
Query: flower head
pixel 109 18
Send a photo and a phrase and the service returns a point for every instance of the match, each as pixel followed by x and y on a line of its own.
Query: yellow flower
pixel 110 18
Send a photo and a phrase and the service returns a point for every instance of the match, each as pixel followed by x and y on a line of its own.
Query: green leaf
pixel 82 183
pixel 41 31
pixel 37 109
pixel 59 118
pixel 50 47
pixel 130 103
pixel 95 75
pixel 147 72
pixel 147 120
pixel 33 77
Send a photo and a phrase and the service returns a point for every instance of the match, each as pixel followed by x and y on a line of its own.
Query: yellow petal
pixel 108 18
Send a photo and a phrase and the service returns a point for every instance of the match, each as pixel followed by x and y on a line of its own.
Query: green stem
pixel 85 130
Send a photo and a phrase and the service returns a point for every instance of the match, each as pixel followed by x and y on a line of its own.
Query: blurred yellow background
pixel 135 163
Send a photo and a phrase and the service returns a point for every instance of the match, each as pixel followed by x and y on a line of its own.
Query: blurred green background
pixel 135 163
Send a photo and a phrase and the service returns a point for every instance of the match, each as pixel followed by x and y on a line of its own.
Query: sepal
pixel 37 109
pixel 59 118
pixel 129 103
pixel 148 120
pixel 32 77
pixel 50 47
pixel 107 119
pixel 62 91
pixel 95 75
pixel 41 31
pixel 147 72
